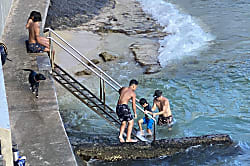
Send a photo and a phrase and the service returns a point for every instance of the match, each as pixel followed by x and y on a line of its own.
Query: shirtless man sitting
pixel 162 103
pixel 36 42
pixel 30 20
pixel 123 111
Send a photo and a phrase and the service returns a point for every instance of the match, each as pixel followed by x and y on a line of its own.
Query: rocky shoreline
pixel 114 16
pixel 66 14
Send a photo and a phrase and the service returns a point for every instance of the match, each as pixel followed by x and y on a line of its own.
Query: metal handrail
pixel 79 53
pixel 90 68
pixel 79 60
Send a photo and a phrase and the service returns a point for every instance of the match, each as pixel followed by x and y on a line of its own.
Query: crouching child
pixel 146 120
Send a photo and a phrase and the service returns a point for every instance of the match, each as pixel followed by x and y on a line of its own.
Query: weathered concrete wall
pixel 5 6
pixel 5 134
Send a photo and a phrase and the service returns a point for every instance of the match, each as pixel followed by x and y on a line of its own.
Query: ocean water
pixel 205 76
pixel 186 35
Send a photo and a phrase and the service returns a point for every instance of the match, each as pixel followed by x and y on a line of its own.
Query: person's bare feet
pixel 131 140
pixel 142 133
pixel 121 139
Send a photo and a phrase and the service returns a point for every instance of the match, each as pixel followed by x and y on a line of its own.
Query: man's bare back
pixel 126 94
pixel 34 28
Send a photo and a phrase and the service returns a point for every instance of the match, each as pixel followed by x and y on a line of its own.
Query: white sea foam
pixel 186 35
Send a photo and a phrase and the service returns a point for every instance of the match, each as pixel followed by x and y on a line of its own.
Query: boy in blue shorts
pixel 146 120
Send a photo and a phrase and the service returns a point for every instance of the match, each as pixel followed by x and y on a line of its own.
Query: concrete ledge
pixel 43 63
pixel 36 124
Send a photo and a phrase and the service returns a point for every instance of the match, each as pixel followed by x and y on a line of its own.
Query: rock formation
pixel 146 150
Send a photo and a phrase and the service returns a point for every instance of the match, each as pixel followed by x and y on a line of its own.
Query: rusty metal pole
pixel 154 131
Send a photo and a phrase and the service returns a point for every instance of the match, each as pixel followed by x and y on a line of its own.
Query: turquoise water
pixel 208 88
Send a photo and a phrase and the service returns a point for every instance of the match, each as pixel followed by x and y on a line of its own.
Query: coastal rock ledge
pixel 146 55
pixel 146 150
pixel 121 17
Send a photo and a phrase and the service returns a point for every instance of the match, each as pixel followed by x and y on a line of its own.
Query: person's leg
pixel 36 90
pixel 149 132
pixel 130 127
pixel 122 129
pixel 140 126
pixel 170 121
pixel 32 88
pixel 52 57
pixel 150 124
pixel 45 42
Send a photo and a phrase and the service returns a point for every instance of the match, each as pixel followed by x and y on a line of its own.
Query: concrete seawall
pixel 36 125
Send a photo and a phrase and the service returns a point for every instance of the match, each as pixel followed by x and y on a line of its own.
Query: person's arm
pixel 164 109
pixel 148 112
pixel 134 104
pixel 28 23
pixel 37 35
pixel 154 106
pixel 120 90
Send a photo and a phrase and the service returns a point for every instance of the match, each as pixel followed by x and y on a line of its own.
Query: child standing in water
pixel 146 120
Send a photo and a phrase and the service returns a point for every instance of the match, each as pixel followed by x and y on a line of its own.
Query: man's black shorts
pixel 123 112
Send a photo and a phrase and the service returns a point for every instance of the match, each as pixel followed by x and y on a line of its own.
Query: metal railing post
pixel 154 130
pixel 104 94
pixel 101 89
pixel 51 50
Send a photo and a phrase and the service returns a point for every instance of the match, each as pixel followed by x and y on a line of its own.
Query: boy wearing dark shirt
pixel 146 120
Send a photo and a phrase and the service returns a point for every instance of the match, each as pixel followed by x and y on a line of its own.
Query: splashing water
pixel 186 36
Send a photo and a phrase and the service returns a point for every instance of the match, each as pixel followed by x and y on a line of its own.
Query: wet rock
pixel 106 17
pixel 83 72
pixel 146 150
pixel 107 57
pixel 152 69
pixel 146 55
pixel 95 61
